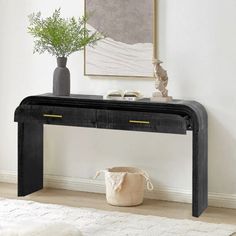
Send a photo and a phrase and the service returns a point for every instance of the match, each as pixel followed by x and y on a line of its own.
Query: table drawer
pixel 58 115
pixel 141 121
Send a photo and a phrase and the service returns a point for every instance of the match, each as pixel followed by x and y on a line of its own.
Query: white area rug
pixel 39 228
pixel 93 222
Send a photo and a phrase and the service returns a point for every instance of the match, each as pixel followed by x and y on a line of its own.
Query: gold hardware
pixel 139 121
pixel 52 116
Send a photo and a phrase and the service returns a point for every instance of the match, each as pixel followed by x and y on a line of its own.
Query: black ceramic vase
pixel 61 78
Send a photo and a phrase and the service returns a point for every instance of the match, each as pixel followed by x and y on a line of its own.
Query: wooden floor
pixel 150 207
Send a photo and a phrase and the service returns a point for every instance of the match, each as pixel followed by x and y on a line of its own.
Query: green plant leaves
pixel 60 36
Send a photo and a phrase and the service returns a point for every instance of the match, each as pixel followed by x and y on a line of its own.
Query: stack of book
pixel 123 95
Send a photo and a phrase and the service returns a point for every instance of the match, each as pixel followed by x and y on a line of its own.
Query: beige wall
pixel 197 41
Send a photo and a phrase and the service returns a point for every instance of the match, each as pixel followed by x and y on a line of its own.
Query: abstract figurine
pixel 161 95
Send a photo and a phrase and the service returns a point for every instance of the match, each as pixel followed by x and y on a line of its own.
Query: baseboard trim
pixel 98 186
pixel 8 177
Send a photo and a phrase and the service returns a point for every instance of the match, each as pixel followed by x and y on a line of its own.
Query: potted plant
pixel 61 37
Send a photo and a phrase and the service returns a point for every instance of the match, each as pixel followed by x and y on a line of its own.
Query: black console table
pixel 175 117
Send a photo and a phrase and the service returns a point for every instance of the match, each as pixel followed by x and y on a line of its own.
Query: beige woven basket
pixel 125 185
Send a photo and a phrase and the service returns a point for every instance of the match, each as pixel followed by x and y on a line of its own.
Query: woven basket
pixel 125 185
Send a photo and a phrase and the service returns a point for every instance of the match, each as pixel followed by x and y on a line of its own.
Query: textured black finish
pixel 141 121
pixel 30 157
pixel 63 115
pixel 175 117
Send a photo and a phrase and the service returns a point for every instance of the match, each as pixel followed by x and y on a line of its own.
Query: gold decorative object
pixel 139 122
pixel 161 95
pixel 52 116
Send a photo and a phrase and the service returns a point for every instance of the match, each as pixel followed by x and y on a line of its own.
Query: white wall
pixel 197 41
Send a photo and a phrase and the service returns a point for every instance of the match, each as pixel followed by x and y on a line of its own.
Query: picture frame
pixel 127 51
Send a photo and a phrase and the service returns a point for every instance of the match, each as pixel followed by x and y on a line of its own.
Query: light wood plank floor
pixel 150 207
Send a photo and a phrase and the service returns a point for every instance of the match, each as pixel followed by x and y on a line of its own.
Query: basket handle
pixel 98 173
pixel 115 182
pixel 150 186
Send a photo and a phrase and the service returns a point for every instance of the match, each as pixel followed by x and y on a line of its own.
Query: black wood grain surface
pixel 176 117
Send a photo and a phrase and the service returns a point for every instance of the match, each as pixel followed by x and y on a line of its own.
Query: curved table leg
pixel 200 172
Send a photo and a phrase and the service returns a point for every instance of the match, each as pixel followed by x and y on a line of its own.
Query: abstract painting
pixel 129 27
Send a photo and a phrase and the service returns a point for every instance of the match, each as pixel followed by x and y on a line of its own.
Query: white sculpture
pixel 161 95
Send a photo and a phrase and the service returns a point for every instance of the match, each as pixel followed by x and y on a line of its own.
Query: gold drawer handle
pixel 139 121
pixel 52 116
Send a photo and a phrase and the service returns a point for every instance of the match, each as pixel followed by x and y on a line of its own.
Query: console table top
pixel 93 98
pixel 98 100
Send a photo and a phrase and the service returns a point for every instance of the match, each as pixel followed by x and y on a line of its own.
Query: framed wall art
pixel 130 43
